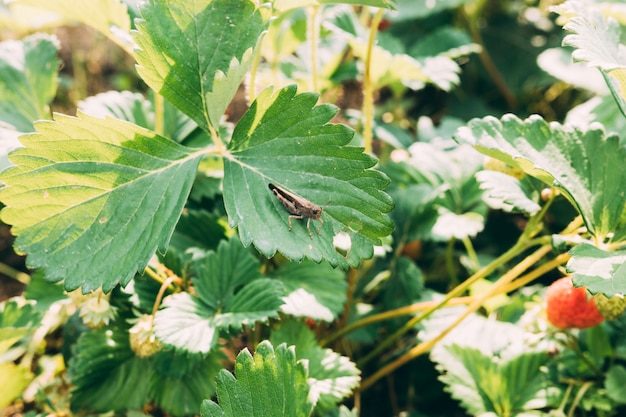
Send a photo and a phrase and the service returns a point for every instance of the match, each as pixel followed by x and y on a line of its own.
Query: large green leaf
pixel 285 139
pixel 270 384
pixel 598 270
pixel 135 108
pixel 486 384
pixel 332 377
pixel 28 80
pixel 91 200
pixel 196 54
pixel 596 40
pixel 109 17
pixel 585 165
pixel 107 376
pixel 229 295
pixel 313 290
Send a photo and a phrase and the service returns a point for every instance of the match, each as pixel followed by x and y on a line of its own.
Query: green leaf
pixel 505 192
pixel 313 290
pixel 485 384
pixel 229 295
pixel 195 54
pixel 332 377
pixel 44 293
pixel 109 17
pixel 584 165
pixel 108 376
pixel 447 41
pixel 405 286
pixel 614 384
pixel 90 200
pixel 597 109
pixel 135 108
pixel 17 320
pixel 596 40
pixel 598 270
pixel 285 139
pixel 270 384
pixel 28 80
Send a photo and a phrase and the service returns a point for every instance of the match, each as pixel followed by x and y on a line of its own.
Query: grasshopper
pixel 299 208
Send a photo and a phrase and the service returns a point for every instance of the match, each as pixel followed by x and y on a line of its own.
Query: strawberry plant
pixel 234 208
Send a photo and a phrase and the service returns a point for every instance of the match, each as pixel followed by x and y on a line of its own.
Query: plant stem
pixel 450 262
pixel 423 347
pixel 368 86
pixel 159 114
pixel 579 396
pixel 391 314
pixel 161 293
pixel 158 278
pixel 515 250
pixel 11 272
pixel 536 273
pixel 313 35
pixel 471 252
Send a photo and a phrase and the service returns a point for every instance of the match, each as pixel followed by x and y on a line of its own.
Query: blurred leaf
pixel 13 381
pixel 230 293
pixel 596 40
pixel 83 183
pixel 109 17
pixel 405 286
pixel 447 41
pixel 505 192
pixel 414 213
pixel 451 225
pixel 313 290
pixel 615 382
pixel 28 80
pixel 558 63
pixel 598 270
pixel 584 165
pixel 44 293
pixel 284 139
pixel 270 384
pixel 420 9
pixel 196 72
pixel 332 377
pixel 135 108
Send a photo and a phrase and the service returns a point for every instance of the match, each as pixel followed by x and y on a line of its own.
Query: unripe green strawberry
pixel 569 307
pixel 611 308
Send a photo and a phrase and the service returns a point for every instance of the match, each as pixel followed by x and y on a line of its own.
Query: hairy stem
pixel 313 35
pixel 13 273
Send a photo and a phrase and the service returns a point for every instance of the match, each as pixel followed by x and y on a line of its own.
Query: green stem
pixel 313 34
pixel 159 114
pixel 471 253
pixel 450 262
pixel 579 396
pixel 368 85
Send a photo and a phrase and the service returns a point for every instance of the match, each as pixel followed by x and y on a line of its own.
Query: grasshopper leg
pixel 293 216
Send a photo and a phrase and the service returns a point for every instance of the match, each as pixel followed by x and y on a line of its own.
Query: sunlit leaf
pixel 14 380
pixel 285 139
pixel 558 63
pixel 181 57
pixel 91 200
pixel 109 17
pixel 135 108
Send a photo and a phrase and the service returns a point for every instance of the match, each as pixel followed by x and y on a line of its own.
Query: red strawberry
pixel 569 307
